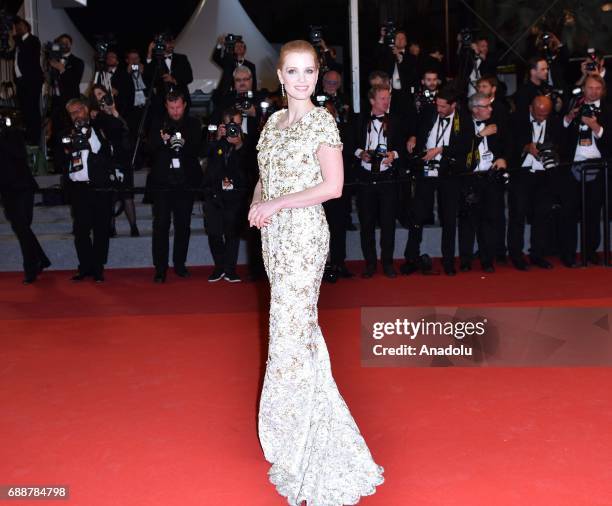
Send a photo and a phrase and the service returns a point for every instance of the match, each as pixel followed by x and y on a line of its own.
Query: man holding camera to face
pixel 90 170
pixel 378 138
pixel 175 141
pixel 226 191
pixel 172 72
pixel 588 137
pixel 229 54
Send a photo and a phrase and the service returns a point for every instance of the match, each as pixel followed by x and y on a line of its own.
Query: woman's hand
pixel 260 213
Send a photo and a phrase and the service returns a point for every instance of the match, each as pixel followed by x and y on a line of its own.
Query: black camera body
pixel 244 100
pixel 590 110
pixel 230 41
pixel 316 35
pixel 466 38
pixel 54 51
pixel 233 129
pixel 377 156
pixel 6 124
pixel 160 44
pixel 79 137
pixel 390 33
pixel 547 155
pixel 106 101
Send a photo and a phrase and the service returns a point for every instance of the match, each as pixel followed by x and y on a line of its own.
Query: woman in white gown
pixel 307 433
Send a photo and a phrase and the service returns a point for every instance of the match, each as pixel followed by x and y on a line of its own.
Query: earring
pixel 283 89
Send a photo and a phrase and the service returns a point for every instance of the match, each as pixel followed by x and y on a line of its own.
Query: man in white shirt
pixel 588 137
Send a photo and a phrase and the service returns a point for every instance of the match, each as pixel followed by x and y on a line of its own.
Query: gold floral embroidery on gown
pixel 305 428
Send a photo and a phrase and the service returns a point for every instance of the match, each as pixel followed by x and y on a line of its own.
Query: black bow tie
pixel 478 123
pixel 537 122
pixel 445 120
pixel 379 118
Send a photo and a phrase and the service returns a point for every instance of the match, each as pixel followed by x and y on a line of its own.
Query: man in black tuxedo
pixel 588 136
pixel 65 75
pixel 28 78
pixel 444 137
pixel 482 63
pixel 535 85
pixel 229 56
pixel 175 142
pixel 88 171
pixel 482 195
pixel 173 72
pixel 540 188
pixel 377 144
pixel 17 186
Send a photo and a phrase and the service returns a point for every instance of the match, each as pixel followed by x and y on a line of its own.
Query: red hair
pixel 297 46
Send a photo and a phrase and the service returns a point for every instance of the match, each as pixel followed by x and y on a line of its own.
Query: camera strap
pixel 440 135
pixel 540 138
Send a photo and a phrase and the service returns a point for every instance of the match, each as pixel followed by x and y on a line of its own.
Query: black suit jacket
pixel 459 141
pixel 496 144
pixel 15 173
pixel 604 144
pixel 123 82
pixel 522 135
pixel 408 69
pixel 180 69
pixel 228 64
pixel 70 79
pixel 28 61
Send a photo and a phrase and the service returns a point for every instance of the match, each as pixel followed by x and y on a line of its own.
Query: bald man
pixel 537 190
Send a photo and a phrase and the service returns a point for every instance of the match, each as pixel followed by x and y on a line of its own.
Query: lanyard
pixel 378 131
pixel 440 136
pixel 540 136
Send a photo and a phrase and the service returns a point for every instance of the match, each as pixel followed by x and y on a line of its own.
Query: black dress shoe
pixel 520 264
pixel 160 277
pixel 389 271
pixel 343 272
pixel 29 278
pixel 368 272
pixel 98 277
pixel 501 259
pixel 44 264
pixel 593 258
pixel 449 269
pixel 134 232
pixel 488 267
pixel 408 268
pixel 465 266
pixel 330 275
pixel 181 271
pixel 541 263
pixel 570 263
pixel 79 277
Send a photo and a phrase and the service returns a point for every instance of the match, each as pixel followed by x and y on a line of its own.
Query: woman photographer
pixel 103 110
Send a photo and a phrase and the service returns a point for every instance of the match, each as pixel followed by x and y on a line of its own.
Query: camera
pixel 6 123
pixel 390 32
pixel 106 101
pixel 244 100
pixel 176 141
pixel 103 44
pixel 321 99
pixel 233 129
pixel 547 155
pixel 54 51
pixel 230 41
pixel 316 35
pixel 77 142
pixel 377 156
pixel 466 38
pixel 591 65
pixel 135 67
pixel 160 44
pixel 589 110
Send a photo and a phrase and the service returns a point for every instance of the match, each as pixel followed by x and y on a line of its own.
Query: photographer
pixel 108 75
pixel 229 53
pixel 246 100
pixel 442 142
pixel 175 142
pixel 378 139
pixel 173 72
pixel 588 136
pixel 397 61
pixel 28 78
pixel 65 75
pixel 90 170
pixel 556 54
pixel 537 84
pixel 540 188
pixel 433 60
pixel 481 63
pixel 595 64
pixel 104 111
pixel 327 55
pixel 17 186
pixel 482 193
pixel 226 192
pixel 425 98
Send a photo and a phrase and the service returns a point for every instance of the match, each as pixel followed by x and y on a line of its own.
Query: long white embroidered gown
pixel 305 428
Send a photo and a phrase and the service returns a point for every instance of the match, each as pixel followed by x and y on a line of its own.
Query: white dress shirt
pixel 375 136
pixel 538 133
pixel 485 156
pixel 440 133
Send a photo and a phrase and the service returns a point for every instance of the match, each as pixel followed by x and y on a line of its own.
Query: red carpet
pixel 135 394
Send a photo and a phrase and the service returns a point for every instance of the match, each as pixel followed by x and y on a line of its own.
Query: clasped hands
pixel 260 213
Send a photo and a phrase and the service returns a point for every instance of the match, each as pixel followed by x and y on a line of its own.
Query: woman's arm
pixel 330 160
